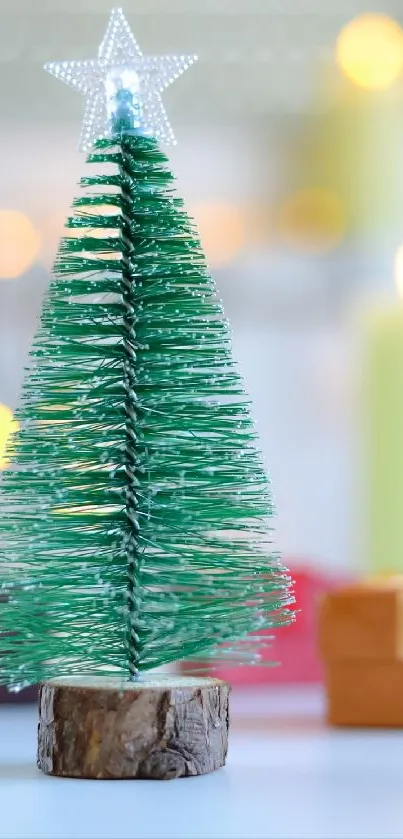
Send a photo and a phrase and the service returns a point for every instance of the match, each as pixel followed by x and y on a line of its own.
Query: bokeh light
pixel 312 220
pixel 8 426
pixel 51 230
pixel 370 51
pixel 222 230
pixel 19 244
pixel 399 271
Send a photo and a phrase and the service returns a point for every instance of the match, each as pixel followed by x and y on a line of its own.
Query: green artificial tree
pixel 136 518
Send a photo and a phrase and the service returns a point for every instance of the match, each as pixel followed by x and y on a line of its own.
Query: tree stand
pixel 159 727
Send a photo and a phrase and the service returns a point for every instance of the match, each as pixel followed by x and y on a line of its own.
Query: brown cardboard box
pixel 362 622
pixel 361 642
pixel 365 693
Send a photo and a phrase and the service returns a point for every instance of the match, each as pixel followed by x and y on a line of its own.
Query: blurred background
pixel 290 158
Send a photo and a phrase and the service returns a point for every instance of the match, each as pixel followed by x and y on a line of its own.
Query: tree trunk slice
pixel 159 727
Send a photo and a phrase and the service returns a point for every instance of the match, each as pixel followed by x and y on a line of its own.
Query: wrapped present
pixel 360 633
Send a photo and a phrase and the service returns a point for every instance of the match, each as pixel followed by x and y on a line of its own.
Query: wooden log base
pixel 160 727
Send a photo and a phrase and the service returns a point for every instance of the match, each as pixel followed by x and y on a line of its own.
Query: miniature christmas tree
pixel 136 519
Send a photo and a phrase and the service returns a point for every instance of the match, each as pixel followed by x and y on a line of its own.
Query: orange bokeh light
pixel 222 230
pixel 19 244
pixel 312 220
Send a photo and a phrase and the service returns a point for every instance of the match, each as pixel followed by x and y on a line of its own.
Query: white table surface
pixel 287 777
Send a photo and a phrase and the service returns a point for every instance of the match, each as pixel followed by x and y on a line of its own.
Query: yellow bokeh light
pixel 312 220
pixel 399 271
pixel 8 426
pixel 19 244
pixel 52 229
pixel 222 230
pixel 369 51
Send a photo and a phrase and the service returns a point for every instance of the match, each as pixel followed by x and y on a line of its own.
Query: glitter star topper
pixel 122 87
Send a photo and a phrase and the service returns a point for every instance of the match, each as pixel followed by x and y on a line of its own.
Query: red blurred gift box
pixel 294 647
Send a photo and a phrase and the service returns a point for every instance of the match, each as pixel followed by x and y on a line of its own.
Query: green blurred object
pixel 382 417
pixel 352 148
pixel 137 515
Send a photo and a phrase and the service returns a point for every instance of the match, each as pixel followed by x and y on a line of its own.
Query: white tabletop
pixel 287 777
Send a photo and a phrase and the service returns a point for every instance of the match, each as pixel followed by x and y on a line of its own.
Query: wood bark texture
pixel 158 727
